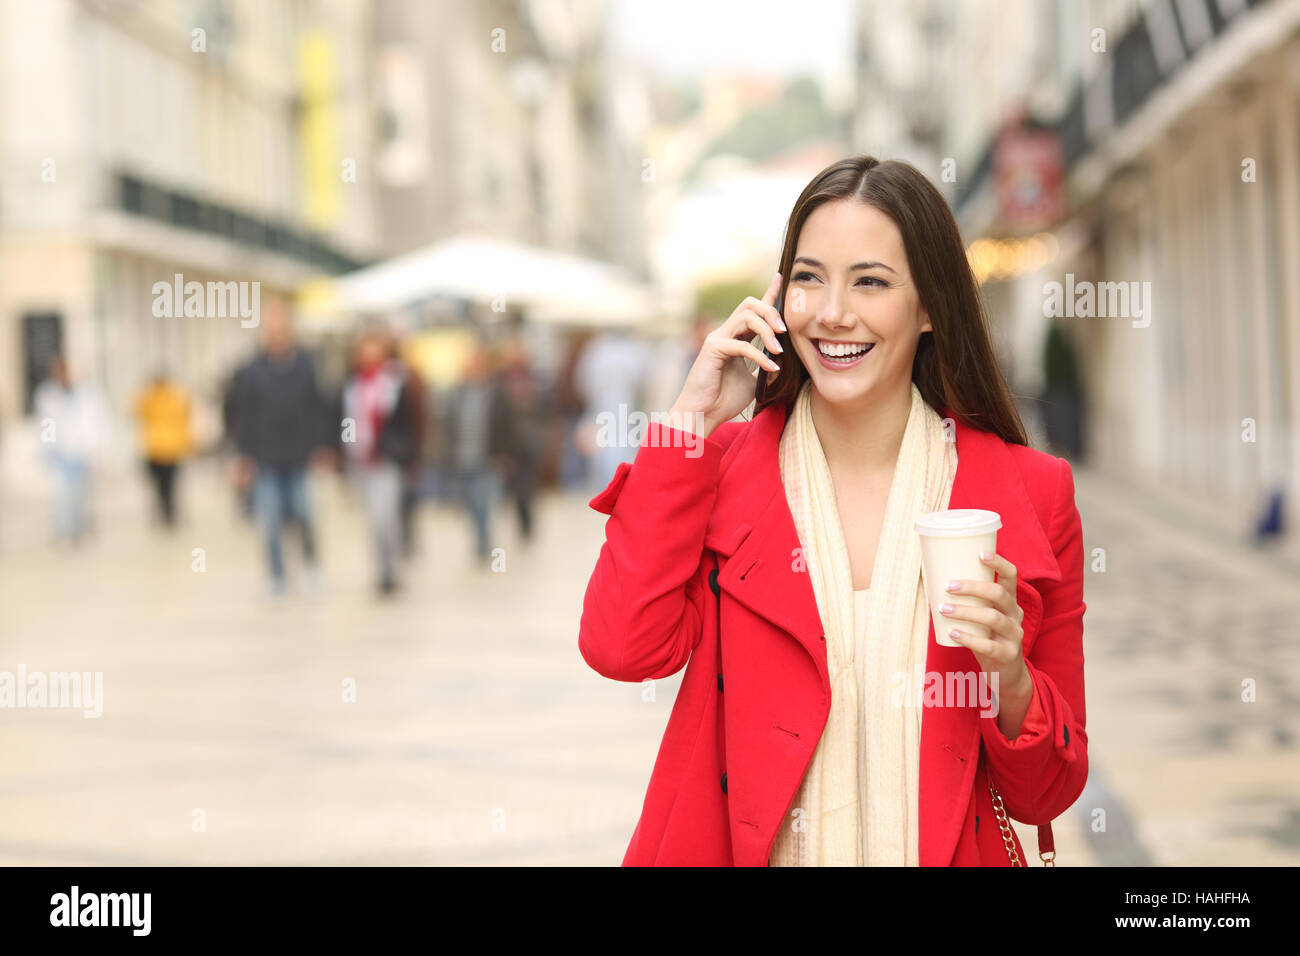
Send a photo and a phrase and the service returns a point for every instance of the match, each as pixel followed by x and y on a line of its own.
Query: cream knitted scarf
pixel 858 801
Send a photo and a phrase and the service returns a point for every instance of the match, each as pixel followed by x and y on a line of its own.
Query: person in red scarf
pixel 380 439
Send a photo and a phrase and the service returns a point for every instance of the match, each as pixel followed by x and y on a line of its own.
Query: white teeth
pixel 842 349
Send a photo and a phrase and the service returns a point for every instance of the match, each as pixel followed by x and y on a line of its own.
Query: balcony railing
pixel 135 195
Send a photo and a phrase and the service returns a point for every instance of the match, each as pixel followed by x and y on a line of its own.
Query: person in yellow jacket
pixel 163 411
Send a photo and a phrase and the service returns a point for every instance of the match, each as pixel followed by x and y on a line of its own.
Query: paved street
pixel 1186 771
pixel 479 736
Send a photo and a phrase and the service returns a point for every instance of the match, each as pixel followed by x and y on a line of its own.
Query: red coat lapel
pixel 752 523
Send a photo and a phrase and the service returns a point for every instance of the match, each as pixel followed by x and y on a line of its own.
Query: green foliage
pixel 719 299
pixel 797 116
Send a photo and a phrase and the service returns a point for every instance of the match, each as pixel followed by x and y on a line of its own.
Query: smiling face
pixel 853 311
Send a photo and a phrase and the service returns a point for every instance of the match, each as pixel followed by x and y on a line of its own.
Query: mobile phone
pixel 762 376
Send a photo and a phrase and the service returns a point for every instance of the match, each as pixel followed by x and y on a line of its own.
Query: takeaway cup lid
pixel 958 522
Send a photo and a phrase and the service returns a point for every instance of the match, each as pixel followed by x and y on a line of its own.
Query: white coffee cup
pixel 951 542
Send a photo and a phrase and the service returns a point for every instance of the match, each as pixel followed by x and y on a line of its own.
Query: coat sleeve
pixel 1042 771
pixel 642 612
pixel 238 412
pixel 322 411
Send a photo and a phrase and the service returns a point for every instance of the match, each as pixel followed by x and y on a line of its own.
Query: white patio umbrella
pixel 551 286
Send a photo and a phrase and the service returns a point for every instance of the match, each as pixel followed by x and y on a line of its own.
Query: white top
pixel 790 850
pixel 860 604
pixel 860 599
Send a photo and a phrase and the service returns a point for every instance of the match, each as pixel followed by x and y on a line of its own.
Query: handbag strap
pixel 1046 843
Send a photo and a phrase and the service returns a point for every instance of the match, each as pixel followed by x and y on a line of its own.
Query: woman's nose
pixel 833 314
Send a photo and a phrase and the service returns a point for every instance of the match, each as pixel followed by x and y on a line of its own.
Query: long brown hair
pixel 954 367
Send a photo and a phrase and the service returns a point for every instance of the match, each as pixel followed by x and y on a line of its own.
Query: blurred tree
pixel 795 117
pixel 719 299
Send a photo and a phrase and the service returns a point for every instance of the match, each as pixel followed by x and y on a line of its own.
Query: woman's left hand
pixel 999 653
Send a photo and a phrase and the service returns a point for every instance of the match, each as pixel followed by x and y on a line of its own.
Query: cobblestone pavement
pixel 1184 620
pixel 479 736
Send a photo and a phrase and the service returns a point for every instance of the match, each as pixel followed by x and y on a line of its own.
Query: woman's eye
pixel 873 281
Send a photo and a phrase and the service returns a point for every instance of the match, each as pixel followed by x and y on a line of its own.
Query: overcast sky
pixel 778 37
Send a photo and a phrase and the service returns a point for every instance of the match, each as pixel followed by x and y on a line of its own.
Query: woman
pixel 380 438
pixel 163 411
pixel 778 555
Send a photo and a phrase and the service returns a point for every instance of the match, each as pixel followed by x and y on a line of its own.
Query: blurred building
pixel 1134 191
pixel 903 64
pixel 142 141
pixel 507 118
pixel 507 126
pixel 278 142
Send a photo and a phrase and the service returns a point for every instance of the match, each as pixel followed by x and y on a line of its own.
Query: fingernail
pixel 954 585
pixel 984 556
pixel 945 608
pixel 953 632
pixel 778 347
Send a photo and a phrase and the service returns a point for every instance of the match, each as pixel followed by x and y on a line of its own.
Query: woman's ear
pixel 925 321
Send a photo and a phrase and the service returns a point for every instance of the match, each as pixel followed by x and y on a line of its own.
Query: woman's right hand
pixel 719 386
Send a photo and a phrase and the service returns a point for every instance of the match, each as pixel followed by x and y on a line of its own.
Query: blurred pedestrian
pixel 381 439
pixel 478 436
pixel 672 360
pixel 72 421
pixel 569 409
pixel 243 484
pixel 610 374
pixel 527 428
pixel 163 410
pixel 413 473
pixel 280 424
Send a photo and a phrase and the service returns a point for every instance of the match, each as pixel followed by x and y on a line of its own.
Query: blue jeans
pixel 279 493
pixel 72 478
pixel 478 489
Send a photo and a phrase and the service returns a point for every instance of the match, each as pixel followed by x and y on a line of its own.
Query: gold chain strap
pixel 1008 839
pixel 1005 826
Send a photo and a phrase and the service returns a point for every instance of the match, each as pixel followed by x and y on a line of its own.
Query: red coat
pixel 697 566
